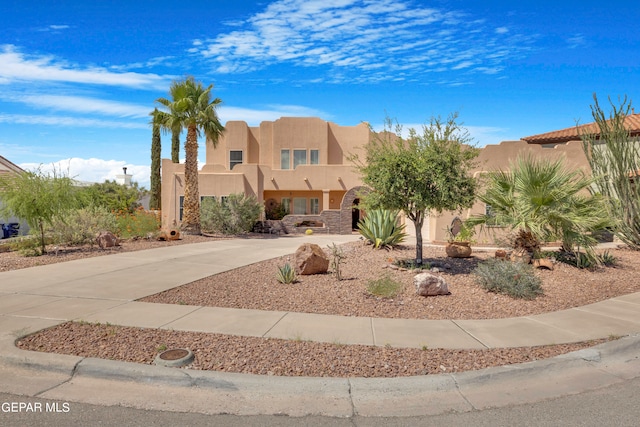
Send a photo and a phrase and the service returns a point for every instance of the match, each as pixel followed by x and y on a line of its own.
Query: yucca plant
pixel 380 227
pixel 286 274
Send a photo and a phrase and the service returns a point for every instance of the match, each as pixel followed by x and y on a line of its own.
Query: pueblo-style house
pixel 302 164
pixel 299 164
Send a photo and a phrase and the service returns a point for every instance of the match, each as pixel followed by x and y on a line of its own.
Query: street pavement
pixel 104 289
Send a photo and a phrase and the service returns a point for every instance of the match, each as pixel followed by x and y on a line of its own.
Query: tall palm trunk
pixel 191 205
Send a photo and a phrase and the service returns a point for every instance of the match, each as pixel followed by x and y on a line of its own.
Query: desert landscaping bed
pixel 226 353
pixel 256 287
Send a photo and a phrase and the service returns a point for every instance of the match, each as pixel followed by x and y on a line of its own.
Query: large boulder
pixel 430 285
pixel 311 259
pixel 106 239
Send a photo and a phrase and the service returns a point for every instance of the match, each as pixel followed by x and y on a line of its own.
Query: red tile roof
pixel 632 122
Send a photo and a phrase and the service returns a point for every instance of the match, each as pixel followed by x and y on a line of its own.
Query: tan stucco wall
pixel 260 174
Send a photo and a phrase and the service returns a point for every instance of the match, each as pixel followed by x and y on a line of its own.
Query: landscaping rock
pixel 501 254
pixel 543 263
pixel 311 259
pixel 106 239
pixel 430 285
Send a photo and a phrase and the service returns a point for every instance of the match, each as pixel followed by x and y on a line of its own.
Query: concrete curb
pixel 243 394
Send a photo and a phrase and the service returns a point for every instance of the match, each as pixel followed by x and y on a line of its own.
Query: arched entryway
pixel 355 214
pixel 348 210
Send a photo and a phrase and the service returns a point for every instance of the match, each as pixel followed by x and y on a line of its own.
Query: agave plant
pixel 286 274
pixel 381 228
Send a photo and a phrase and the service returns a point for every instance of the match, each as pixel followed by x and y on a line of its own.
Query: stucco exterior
pixel 324 191
pixel 318 184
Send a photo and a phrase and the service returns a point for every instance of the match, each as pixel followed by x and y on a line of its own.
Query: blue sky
pixel 78 78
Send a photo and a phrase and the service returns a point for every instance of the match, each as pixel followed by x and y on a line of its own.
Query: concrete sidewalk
pixel 104 289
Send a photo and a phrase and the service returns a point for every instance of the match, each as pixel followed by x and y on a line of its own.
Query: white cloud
pixel 93 170
pixel 15 67
pixel 50 120
pixel 358 36
pixel 80 104
pixel 577 40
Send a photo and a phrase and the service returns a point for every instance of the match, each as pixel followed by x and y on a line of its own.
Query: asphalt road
pixel 617 405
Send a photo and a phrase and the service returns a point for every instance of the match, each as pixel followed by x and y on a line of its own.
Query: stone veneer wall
pixel 330 218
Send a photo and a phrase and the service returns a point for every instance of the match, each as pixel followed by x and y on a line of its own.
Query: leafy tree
pixel 111 195
pixel 423 173
pixel 37 198
pixel 546 201
pixel 614 157
pixel 156 152
pixel 191 107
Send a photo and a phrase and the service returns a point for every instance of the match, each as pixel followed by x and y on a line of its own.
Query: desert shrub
pixel 580 260
pixel 139 223
pixel 380 227
pixel 385 287
pixel 80 226
pixel 516 279
pixel 608 259
pixel 277 212
pixel 234 215
pixel 29 245
pixel 286 274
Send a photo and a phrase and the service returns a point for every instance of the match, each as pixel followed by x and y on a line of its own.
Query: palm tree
pixel 543 201
pixel 191 107
pixel 175 145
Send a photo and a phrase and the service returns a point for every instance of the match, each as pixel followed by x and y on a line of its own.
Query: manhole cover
pixel 175 357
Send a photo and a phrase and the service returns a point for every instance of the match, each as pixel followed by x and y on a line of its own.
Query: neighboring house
pixel 302 163
pixel 550 139
pixel 7 167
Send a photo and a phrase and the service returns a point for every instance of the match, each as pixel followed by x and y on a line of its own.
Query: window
pixel 299 157
pixel 181 206
pixel 299 206
pixel 314 157
pixel 286 204
pixel 284 159
pixel 235 158
pixel 314 206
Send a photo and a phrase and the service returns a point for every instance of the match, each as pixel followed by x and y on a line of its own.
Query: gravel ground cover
pixel 255 287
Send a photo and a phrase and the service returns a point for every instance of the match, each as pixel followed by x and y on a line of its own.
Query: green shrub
pixel 385 287
pixel 608 259
pixel 234 215
pixel 29 245
pixel 80 226
pixel 140 223
pixel 286 274
pixel 516 279
pixel 581 260
pixel 380 227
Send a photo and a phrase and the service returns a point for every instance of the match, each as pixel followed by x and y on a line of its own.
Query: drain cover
pixel 175 357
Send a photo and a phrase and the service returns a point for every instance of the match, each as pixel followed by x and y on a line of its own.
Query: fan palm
pixel 191 107
pixel 544 199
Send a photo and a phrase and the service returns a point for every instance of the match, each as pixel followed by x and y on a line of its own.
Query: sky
pixel 78 79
